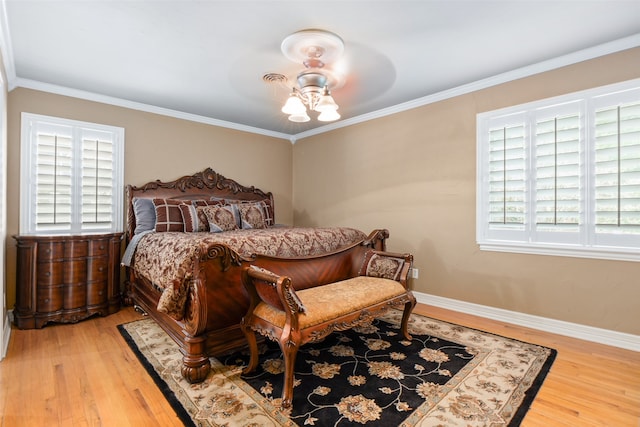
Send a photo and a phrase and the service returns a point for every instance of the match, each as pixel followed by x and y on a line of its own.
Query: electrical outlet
pixel 414 273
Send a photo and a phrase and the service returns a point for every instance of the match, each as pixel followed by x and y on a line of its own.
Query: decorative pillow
pixel 203 222
pixel 221 218
pixel 251 215
pixel 145 214
pixel 267 208
pixel 168 215
pixel 189 217
pixel 385 267
pixel 269 214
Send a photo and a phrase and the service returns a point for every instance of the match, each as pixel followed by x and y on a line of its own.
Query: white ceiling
pixel 205 59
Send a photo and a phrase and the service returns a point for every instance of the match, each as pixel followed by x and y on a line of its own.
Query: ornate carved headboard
pixel 201 185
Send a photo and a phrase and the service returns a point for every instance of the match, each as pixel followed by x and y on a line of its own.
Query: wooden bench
pixel 293 318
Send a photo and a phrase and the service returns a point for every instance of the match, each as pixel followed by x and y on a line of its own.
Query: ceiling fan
pixel 314 49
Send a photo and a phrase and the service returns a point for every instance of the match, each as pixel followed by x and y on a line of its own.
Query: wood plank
pixel 86 375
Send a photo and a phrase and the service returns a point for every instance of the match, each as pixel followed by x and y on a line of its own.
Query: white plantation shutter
pixel 507 190
pixel 617 169
pixel 97 179
pixel 53 178
pixel 557 167
pixel 505 179
pixel 562 176
pixel 72 176
pixel 558 174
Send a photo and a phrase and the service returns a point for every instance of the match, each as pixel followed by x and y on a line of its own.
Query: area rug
pixel 448 375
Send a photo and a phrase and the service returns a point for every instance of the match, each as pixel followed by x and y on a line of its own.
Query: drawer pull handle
pixel 101 247
pixel 47 274
pixel 46 300
pixel 100 269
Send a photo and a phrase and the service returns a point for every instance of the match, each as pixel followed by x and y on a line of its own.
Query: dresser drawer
pixel 49 299
pixel 75 271
pixel 97 269
pixel 96 294
pixel 48 251
pixel 75 296
pixel 98 248
pixel 75 249
pixel 49 273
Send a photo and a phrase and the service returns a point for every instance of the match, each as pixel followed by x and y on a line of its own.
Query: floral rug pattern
pixel 447 375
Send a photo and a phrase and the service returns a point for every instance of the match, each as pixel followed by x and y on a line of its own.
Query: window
pixel 562 176
pixel 71 176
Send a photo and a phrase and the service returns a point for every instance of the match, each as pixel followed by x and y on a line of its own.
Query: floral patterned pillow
pixel 384 266
pixel 221 218
pixel 265 204
pixel 203 222
pixel 252 215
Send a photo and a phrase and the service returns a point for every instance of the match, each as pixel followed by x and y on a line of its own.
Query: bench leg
pixel 289 352
pixel 253 349
pixel 404 325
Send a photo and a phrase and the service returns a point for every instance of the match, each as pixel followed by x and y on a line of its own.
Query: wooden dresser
pixel 66 278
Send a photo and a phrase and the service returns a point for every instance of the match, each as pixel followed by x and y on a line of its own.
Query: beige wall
pixel 414 173
pixel 155 147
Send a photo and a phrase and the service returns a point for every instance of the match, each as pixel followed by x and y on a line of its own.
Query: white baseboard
pixel 574 330
pixel 6 334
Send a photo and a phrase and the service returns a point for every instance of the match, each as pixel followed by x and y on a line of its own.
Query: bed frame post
pixel 195 362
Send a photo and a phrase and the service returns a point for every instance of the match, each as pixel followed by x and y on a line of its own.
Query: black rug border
pixel 535 387
pixel 184 416
pixel 178 407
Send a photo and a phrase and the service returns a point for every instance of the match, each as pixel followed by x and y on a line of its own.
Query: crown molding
pixel 104 99
pixel 558 62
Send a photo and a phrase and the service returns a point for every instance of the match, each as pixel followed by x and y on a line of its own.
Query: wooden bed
pixel 216 300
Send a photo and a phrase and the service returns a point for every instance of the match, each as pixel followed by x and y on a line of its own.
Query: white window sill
pixel 617 254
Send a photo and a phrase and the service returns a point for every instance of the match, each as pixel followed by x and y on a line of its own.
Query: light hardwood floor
pixel 86 375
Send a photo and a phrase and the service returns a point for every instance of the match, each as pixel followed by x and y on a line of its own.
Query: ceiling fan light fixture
pixel 300 117
pixel 294 106
pixel 326 102
pixel 314 48
pixel 328 116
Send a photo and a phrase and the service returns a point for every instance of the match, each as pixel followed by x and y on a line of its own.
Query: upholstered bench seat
pixel 327 302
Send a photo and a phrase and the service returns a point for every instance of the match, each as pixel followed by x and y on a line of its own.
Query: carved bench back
pixel 317 271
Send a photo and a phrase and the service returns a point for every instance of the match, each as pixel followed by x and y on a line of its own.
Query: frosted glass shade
pixel 294 106
pixel 328 116
pixel 326 103
pixel 299 118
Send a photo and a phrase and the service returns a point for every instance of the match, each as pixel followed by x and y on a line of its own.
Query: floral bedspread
pixel 167 259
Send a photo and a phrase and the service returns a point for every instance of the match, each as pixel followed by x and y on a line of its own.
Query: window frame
pixel 586 243
pixel 28 172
